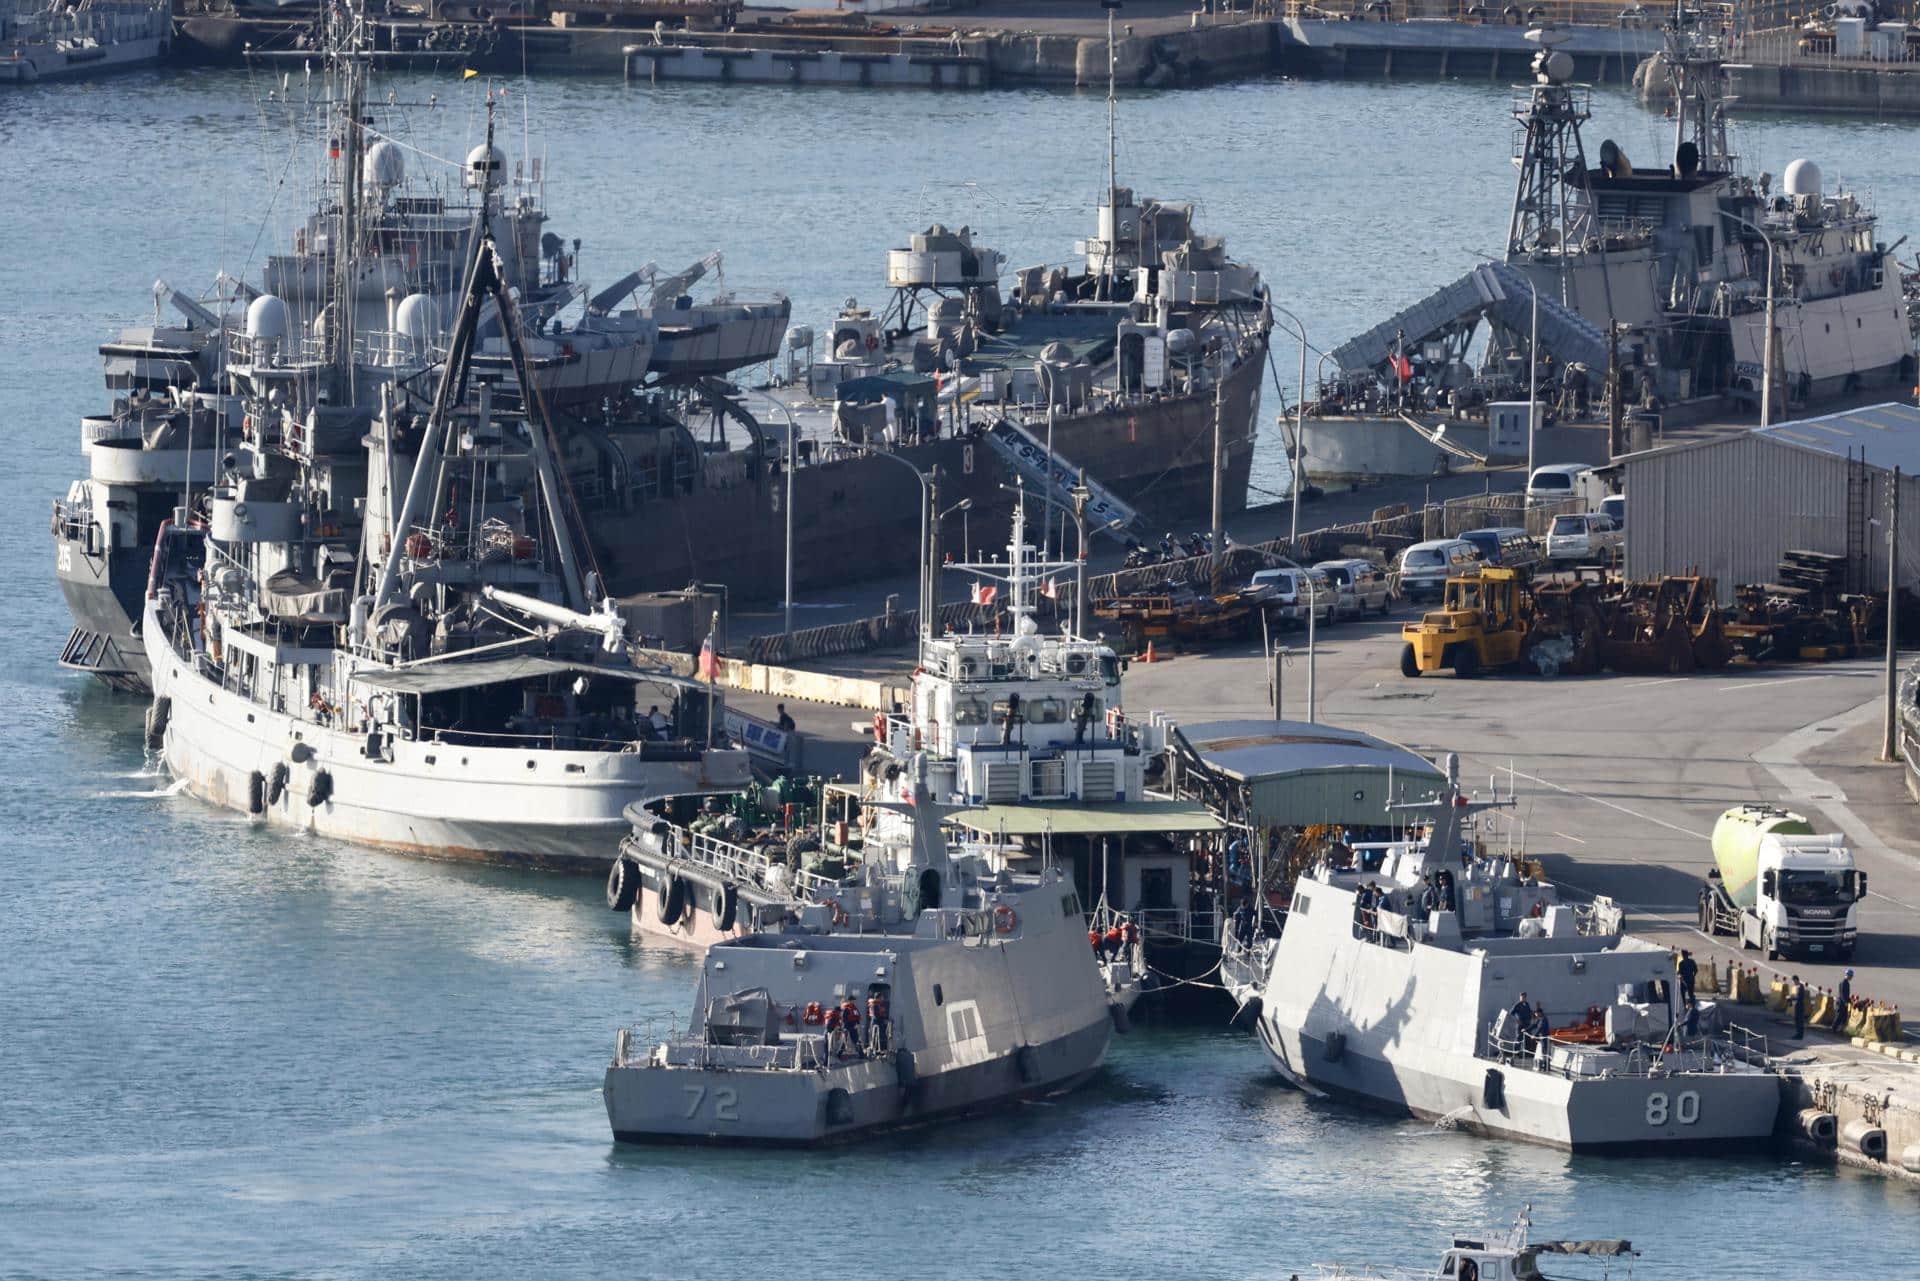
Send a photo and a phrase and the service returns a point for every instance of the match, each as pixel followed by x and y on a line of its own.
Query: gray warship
pixel 1409 1004
pixel 381 626
pixel 367 289
pixel 972 988
pixel 1675 259
pixel 62 40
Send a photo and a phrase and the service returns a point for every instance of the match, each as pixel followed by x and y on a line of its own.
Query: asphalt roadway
pixel 1619 778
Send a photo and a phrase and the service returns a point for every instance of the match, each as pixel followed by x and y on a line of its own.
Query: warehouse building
pixel 1731 506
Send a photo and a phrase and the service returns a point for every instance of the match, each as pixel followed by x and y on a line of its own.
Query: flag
pixel 468 73
pixel 1403 367
pixel 708 666
pixel 984 594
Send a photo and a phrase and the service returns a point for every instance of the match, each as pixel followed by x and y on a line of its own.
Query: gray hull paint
pixel 647 1105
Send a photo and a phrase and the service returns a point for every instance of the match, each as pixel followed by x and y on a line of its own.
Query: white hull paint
pixel 536 808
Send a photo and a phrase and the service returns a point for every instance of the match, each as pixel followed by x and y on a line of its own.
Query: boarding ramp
pixel 1056 477
pixel 1495 290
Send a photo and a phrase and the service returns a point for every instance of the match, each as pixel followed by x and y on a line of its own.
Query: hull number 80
pixel 1683 1107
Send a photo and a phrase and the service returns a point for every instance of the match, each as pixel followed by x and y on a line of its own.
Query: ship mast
pixel 1551 212
pixel 349 51
pixel 1113 176
pixel 1698 75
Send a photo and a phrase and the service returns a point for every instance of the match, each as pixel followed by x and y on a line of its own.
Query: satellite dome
pixel 1802 178
pixel 267 319
pixel 486 168
pixel 384 166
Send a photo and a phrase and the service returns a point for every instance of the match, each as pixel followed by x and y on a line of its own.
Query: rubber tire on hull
pixel 673 901
pixel 1409 664
pixel 256 793
pixel 726 907
pixel 277 784
pixel 320 789
pixel 622 880
pixel 157 716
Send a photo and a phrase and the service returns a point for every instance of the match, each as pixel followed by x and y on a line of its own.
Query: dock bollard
pixel 1864 1138
pixel 1817 1126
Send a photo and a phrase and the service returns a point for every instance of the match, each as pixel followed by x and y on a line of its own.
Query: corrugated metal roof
pixel 1254 751
pixel 1888 435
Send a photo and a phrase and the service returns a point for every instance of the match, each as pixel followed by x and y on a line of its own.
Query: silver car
pixel 1360 587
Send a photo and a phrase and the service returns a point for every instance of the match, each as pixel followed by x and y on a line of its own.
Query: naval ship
pixel 367 288
pixel 65 39
pixel 380 626
pixel 1410 1003
pixel 974 988
pixel 1674 259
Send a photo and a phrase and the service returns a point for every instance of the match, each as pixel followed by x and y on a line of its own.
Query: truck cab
pixel 1781 887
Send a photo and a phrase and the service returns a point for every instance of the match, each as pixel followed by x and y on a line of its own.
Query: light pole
pixel 1299 418
pixel 793 435
pixel 1766 354
pixel 933 559
pixel 926 506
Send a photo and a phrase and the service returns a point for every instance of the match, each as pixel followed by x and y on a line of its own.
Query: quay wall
pixel 1854 87
pixel 1862 1099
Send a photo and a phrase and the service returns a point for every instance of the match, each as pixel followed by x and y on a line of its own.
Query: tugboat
pixel 1516 1257
pixel 1419 978
pixel 448 679
pixel 945 988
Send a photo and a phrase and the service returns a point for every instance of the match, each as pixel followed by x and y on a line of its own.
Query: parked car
pixel 1555 481
pixel 1615 507
pixel 1291 589
pixel 1587 538
pixel 1507 545
pixel 1426 567
pixel 1360 587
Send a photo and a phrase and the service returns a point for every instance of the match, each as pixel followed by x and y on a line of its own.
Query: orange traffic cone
pixel 1149 658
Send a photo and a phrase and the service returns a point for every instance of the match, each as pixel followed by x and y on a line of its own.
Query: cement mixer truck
pixel 1781 887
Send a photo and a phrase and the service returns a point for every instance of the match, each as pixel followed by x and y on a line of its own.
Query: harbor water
pixel 227 1053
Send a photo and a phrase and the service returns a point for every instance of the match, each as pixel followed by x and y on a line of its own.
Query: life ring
pixel 725 906
pixel 1005 920
pixel 673 901
pixel 838 914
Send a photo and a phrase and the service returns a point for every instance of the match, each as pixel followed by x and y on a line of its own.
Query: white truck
pixel 1781 887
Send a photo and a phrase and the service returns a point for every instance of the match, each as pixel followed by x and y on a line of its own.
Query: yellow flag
pixel 468 73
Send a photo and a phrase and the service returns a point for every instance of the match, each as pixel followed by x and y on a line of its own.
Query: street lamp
pixel 1299 416
pixel 1766 354
pixel 793 435
pixel 926 507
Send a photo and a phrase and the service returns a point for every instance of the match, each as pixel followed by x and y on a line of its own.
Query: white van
pixel 1359 587
pixel 1426 567
pixel 1555 481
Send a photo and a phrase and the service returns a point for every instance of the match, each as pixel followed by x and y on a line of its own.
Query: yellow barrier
pixel 1779 996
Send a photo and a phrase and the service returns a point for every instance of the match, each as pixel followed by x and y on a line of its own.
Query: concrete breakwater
pixel 1867 88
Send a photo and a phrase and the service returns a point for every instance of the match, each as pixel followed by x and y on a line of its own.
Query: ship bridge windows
pixel 1046 711
pixel 970 711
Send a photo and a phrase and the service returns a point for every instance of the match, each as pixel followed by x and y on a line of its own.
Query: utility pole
pixel 1219 466
pixel 1277 659
pixel 1615 409
pixel 1080 496
pixel 1890 728
pixel 932 589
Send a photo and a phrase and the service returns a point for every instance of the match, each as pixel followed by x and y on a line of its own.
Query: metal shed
pixel 1294 774
pixel 1731 506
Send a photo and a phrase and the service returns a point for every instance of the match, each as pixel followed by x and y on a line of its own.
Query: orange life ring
pixel 839 914
pixel 1005 919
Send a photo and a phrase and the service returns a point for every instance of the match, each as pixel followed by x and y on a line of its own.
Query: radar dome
pixel 1057 353
pixel 384 167
pixel 486 168
pixel 1557 67
pixel 415 318
pixel 267 319
pixel 1181 341
pixel 1801 179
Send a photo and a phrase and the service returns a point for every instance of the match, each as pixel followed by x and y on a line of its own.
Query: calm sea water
pixel 224 1054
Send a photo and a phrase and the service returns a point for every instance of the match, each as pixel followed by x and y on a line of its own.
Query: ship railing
pixel 1243 966
pixel 550 742
pixel 973 926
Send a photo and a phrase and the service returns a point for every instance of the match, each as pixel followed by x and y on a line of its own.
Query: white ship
pixel 445 679
pixel 64 39
pixel 1411 1003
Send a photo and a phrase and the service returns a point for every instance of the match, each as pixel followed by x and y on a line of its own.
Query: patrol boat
pixel 447 678
pixel 1375 1002
pixel 57 41
pixel 1491 1257
pixel 981 983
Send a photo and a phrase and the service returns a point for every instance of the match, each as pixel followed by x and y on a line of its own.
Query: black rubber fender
pixel 256 793
pixel 277 783
pixel 726 906
pixel 157 716
pixel 320 790
pixel 623 882
pixel 673 901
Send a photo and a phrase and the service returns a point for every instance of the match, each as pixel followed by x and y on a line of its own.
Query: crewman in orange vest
pixel 1114 940
pixel 879 1031
pixel 1093 940
pixel 836 1037
pixel 850 1019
